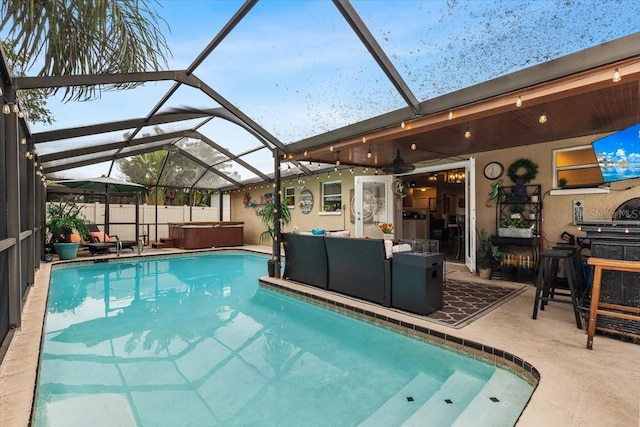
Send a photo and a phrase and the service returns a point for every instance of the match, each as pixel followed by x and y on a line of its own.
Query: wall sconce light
pixel 369 152
pixel 616 75
pixel 519 101
pixel 543 116
pixel 467 133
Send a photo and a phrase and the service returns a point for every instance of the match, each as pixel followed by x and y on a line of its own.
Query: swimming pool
pixel 193 340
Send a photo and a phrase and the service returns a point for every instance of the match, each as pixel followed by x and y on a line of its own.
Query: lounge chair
pixel 104 238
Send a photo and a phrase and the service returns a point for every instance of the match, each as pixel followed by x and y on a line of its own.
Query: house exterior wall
pixel 557 209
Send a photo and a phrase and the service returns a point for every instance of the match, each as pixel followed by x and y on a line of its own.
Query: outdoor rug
pixel 464 302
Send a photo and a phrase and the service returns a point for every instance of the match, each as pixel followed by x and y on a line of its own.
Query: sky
pixel 296 68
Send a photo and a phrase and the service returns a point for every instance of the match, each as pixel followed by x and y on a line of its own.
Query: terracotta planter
pixel 485 273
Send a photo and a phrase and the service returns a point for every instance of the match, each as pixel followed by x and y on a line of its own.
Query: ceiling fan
pixel 398 166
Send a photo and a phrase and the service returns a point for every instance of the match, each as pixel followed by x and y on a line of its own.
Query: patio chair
pixel 103 237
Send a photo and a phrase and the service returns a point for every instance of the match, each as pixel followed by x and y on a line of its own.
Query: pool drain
pixel 410 398
pixel 494 399
pixel 448 401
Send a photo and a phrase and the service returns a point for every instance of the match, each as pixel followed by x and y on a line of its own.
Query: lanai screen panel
pixel 450 45
pixel 298 70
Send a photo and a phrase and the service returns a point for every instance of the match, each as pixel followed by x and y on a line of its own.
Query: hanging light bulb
pixel 23 141
pixel 305 153
pixel 331 148
pixel 450 115
pixel 543 116
pixel 21 114
pixel 519 101
pixel 402 125
pixel 1 93
pixel 369 152
pixel 467 133
pixel 376 171
pixel 413 146
pixel 364 139
pixel 15 108
pixel 338 158
pixel 616 75
pixel 351 170
pixel 6 109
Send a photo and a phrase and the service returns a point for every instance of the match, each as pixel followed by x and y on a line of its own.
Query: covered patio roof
pixel 372 82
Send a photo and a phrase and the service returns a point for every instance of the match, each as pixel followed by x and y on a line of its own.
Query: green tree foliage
pixel 70 37
pixel 33 101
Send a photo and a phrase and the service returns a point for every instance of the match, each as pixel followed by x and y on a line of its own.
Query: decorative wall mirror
pixel 305 201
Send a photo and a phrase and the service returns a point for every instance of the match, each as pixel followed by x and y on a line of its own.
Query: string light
pixel 467 133
pixel 616 75
pixel 6 109
pixel 543 116
pixel 23 141
pixel 519 101
pixel 413 146
pixel 369 152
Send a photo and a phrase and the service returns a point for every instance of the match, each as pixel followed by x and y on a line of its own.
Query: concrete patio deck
pixel 578 387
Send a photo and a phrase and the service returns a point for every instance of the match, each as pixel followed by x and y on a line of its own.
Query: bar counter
pixel 201 235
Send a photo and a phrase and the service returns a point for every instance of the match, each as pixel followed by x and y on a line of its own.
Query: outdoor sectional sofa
pixel 350 266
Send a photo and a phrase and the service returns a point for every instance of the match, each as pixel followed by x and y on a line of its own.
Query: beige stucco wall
pixel 557 213
pixel 557 209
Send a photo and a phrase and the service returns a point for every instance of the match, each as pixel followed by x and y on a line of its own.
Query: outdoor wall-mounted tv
pixel 619 154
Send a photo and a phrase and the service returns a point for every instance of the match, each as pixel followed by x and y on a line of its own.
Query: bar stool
pixel 546 284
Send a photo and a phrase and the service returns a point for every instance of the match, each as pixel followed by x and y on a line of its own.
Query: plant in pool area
pixel 268 214
pixel 63 218
pixel 386 227
pixel 488 255
pixel 514 223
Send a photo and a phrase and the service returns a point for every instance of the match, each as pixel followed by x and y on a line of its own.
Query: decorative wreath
pixel 528 176
pixel 399 188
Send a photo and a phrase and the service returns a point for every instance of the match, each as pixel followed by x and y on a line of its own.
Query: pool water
pixel 194 341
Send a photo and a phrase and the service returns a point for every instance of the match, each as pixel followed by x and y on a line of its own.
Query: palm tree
pixel 70 37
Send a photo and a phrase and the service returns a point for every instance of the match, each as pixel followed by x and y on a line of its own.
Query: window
pixel 290 194
pixel 331 197
pixel 576 167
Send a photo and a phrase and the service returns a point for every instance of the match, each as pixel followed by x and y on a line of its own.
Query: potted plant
pixel 267 216
pixel 387 230
pixel 488 256
pixel 63 219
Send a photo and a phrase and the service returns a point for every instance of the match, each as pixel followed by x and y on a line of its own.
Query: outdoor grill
pixel 618 239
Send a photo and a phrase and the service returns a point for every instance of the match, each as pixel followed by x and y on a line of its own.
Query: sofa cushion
pixel 341 233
